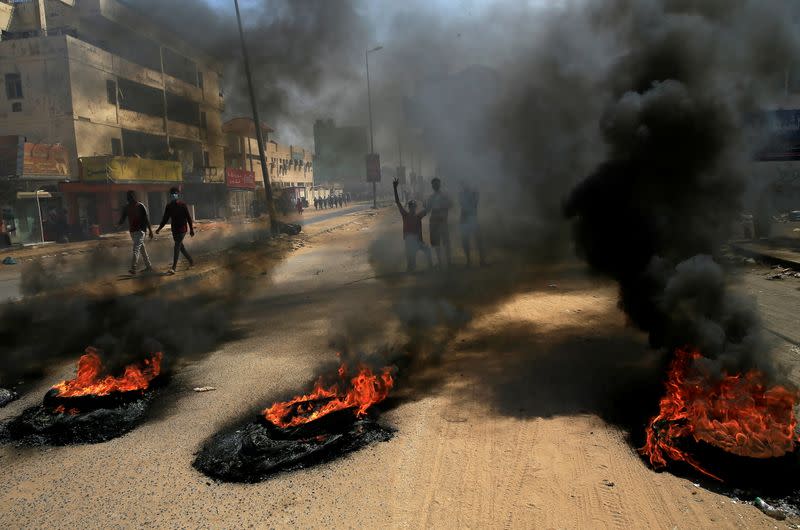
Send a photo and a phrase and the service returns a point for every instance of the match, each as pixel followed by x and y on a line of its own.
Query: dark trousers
pixel 179 249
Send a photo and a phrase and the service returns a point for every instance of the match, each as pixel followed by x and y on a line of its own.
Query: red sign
pixel 373 168
pixel 240 178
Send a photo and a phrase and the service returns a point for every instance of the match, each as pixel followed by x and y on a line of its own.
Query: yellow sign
pixel 129 169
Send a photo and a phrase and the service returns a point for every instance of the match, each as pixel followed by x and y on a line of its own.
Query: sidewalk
pixel 777 251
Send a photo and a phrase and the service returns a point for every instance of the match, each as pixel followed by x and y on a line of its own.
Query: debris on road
pixel 7 396
pixel 204 388
pixel 8 260
pixel 768 509
pixel 290 229
pixel 782 273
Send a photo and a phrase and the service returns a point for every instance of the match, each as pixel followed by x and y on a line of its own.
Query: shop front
pixel 241 186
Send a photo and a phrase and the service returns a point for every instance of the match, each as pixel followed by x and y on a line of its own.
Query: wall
pixel 46 115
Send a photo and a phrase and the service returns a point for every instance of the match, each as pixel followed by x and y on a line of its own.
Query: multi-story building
pixel 291 168
pixel 113 88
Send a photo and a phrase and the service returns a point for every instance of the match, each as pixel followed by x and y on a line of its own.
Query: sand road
pixel 514 428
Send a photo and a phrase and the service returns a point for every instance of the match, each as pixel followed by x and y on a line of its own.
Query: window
pixel 111 89
pixel 116 147
pixel 16 107
pixel 13 86
pixel 206 160
pixel 203 120
pixel 200 83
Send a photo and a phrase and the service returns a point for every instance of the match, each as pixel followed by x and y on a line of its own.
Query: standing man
pixel 438 204
pixel 181 220
pixel 138 223
pixel 412 232
pixel 468 199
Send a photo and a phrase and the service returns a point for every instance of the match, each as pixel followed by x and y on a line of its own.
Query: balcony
pixel 129 169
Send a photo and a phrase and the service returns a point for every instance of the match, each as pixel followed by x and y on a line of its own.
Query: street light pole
pixel 371 134
pixel 39 209
pixel 259 134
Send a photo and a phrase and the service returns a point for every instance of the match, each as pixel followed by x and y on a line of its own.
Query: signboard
pixel 129 169
pixel 21 159
pixel 373 167
pixel 240 179
pixel 401 175
pixel 45 160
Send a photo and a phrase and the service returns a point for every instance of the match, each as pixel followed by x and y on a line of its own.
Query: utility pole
pixel 273 221
pixel 371 135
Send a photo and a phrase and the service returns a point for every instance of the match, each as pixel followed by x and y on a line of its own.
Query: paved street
pixel 109 258
pixel 517 410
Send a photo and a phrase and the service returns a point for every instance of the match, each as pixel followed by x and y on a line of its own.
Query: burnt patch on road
pixel 44 425
pixel 258 450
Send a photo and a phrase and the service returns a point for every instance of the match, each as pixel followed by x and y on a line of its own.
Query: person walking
pixel 299 206
pixel 438 204
pixel 138 224
pixel 412 232
pixel 177 213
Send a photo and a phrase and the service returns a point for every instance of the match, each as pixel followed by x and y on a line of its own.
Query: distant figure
pixel 340 200
pixel 299 206
pixel 181 220
pixel 138 222
pixel 412 232
pixel 438 205
pixel 316 203
pixel 330 201
pixel 469 228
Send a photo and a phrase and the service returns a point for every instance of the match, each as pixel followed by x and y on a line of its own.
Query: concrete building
pixel 339 155
pixel 291 168
pixel 103 81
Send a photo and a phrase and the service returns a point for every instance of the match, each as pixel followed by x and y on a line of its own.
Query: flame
pixel 88 381
pixel 741 414
pixel 364 390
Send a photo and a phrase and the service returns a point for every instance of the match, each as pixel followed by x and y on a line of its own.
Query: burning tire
pixel 327 423
pixel 89 408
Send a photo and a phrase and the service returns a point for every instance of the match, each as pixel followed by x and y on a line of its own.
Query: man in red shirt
pixel 181 220
pixel 138 222
pixel 412 232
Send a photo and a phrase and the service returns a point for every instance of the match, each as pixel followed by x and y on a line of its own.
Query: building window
pixel 116 147
pixel 111 89
pixel 206 159
pixel 203 120
pixel 200 83
pixel 13 86
pixel 16 107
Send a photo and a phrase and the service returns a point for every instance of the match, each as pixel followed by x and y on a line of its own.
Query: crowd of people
pixel 332 201
pixel 437 206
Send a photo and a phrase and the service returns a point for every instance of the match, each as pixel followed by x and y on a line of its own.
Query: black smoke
pixel 655 212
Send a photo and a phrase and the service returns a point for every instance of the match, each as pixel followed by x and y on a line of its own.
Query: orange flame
pixel 364 390
pixel 88 381
pixel 740 414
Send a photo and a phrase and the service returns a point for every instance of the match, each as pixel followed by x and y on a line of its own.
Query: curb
pixel 766 256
